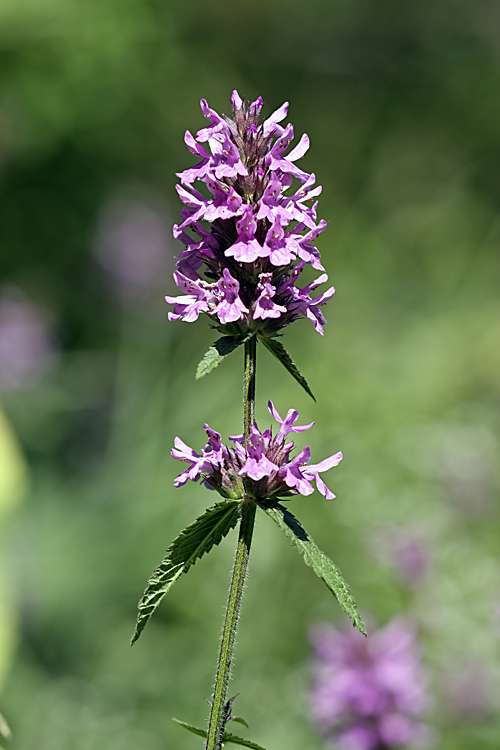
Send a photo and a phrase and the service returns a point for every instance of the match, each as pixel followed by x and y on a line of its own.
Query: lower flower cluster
pixel 262 469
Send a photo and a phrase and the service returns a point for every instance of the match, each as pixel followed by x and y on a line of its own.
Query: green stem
pixel 249 386
pixel 219 712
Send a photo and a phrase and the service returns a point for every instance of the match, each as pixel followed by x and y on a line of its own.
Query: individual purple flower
pixel 284 163
pixel 272 206
pixel 292 475
pixel 246 249
pixel 199 462
pixel 287 425
pixel 264 305
pixel 304 305
pixel 230 307
pixel 370 694
pixel 262 469
pixel 198 298
pixel 281 250
pixel 225 204
pixel 314 470
pixel 256 226
pixel 257 464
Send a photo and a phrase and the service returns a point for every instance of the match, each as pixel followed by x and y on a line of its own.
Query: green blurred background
pixel 402 104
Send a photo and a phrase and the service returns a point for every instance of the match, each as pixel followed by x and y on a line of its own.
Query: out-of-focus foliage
pixel 13 487
pixel 401 103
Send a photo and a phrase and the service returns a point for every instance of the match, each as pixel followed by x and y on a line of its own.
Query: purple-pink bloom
pixel 272 206
pixel 370 694
pixel 257 464
pixel 189 306
pixel 280 249
pixel 246 249
pixel 264 305
pixel 200 463
pixel 293 476
pixel 309 307
pixel 287 425
pixel 230 307
pixel 313 472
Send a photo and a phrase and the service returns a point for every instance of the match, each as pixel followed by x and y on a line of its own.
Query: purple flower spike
pixel 262 469
pixel 259 225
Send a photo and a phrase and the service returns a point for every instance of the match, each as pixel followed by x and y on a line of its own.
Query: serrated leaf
pixel 279 351
pixel 216 353
pixel 227 738
pixel 322 565
pixel 207 531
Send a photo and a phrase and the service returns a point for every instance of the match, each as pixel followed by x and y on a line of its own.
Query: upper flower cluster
pixel 262 469
pixel 247 243
pixel 368 694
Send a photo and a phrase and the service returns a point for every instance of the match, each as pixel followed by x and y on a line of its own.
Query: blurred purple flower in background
pixel 27 347
pixel 468 691
pixel 369 693
pixel 406 551
pixel 133 245
pixel 412 560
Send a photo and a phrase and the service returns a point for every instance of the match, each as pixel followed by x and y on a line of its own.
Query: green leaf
pixel 191 544
pixel 195 730
pixel 216 353
pixel 240 720
pixel 316 559
pixel 279 351
pixel 227 738
pixel 235 740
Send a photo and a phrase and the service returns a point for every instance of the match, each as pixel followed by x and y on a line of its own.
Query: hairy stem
pixel 249 386
pixel 220 709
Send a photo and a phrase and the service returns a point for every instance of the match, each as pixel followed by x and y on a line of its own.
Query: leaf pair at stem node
pixel 227 344
pixel 208 531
